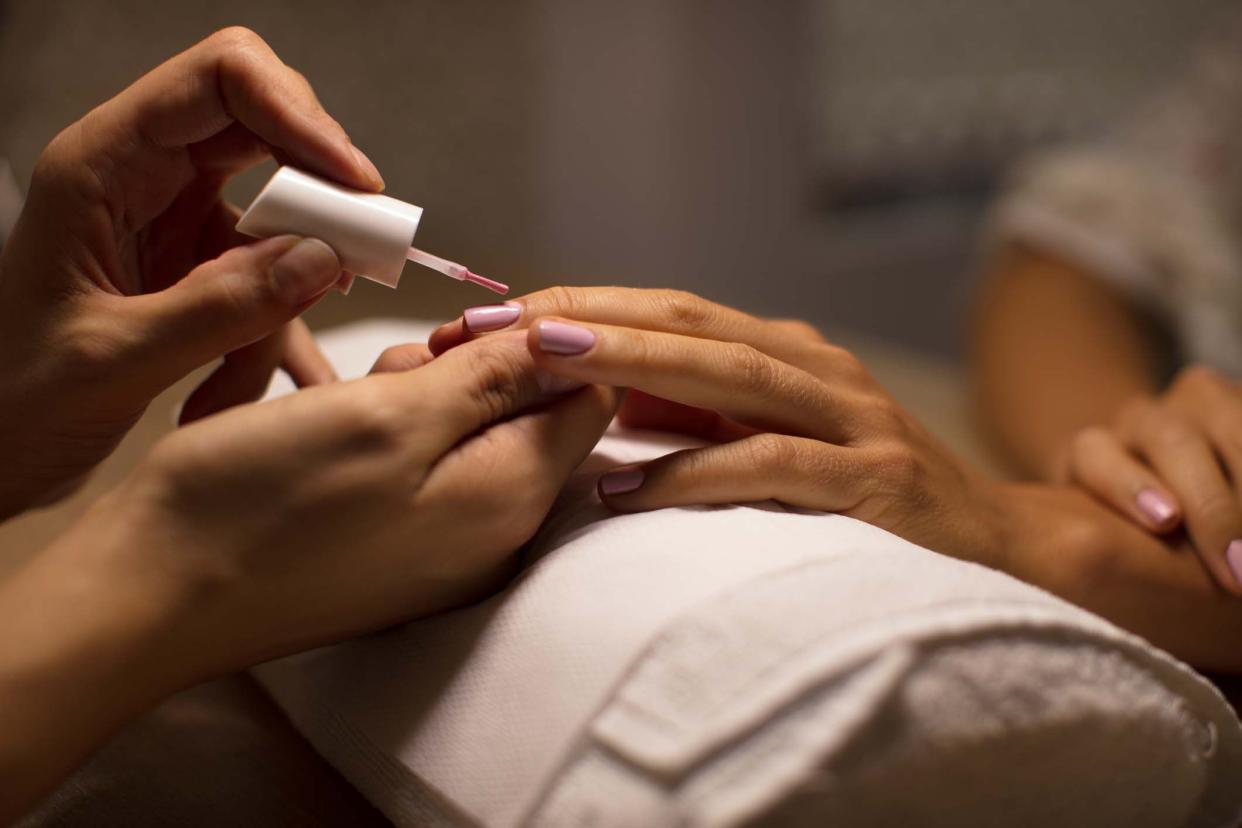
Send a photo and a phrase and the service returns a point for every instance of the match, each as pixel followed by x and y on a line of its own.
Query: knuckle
pixel 498 372
pixel 841 364
pixel 801 329
pixel 684 309
pixel 232 38
pixel 898 468
pixel 750 366
pixel 92 351
pixel 373 418
pixel 559 300
pixel 773 452
pixel 401 358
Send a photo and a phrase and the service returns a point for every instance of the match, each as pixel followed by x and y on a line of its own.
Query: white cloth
pixel 703 666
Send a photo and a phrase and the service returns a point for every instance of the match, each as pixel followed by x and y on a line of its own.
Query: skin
pixel 796 419
pixel 263 529
pixel 124 272
pixel 1066 373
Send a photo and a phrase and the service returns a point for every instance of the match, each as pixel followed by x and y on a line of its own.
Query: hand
pixel 804 423
pixel 1174 460
pixel 281 526
pixel 124 272
pixel 352 506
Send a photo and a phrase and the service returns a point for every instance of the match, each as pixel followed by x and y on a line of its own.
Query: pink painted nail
pixel 491 317
pixel 1155 506
pixel 1234 556
pixel 620 482
pixel 566 340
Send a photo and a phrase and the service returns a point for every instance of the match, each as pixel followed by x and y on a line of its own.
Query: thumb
pixel 233 300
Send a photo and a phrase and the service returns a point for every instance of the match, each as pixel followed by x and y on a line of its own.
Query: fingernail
pixel 491 317
pixel 1234 556
pixel 559 338
pixel 1158 509
pixel 368 166
pixel 620 482
pixel 345 284
pixel 304 271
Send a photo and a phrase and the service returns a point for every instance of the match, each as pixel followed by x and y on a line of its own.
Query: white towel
pixel 710 666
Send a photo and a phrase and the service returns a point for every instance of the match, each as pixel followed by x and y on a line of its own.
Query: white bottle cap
pixel 371 233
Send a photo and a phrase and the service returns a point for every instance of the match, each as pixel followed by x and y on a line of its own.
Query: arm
pixel 278 527
pixel 1054 350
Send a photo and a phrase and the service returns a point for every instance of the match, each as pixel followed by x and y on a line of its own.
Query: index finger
pixel 481 384
pixel 231 77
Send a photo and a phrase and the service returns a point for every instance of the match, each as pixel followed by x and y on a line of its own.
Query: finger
pixel 802 473
pixel 641 410
pixel 476 385
pixel 227 303
pixel 734 379
pixel 302 359
pixel 242 377
pixel 231 77
pixel 1213 402
pixel 670 311
pixel 1181 456
pixel 529 457
pixel 402 358
pixel 1101 464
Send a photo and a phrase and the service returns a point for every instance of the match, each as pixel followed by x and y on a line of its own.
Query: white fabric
pixel 704 666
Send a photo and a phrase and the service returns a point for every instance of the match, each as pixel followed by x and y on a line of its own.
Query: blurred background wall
pixel 827 159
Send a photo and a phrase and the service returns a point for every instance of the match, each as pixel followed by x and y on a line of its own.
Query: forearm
pixel 1054 351
pixel 82 651
pixel 1064 541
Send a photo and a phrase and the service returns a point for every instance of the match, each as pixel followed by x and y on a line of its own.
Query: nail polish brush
pixel 371 233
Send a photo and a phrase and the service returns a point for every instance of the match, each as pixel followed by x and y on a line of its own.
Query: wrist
pixel 83 649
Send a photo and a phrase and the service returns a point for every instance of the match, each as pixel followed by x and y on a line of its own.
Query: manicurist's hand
pixel 1174 461
pixel 276 527
pixel 795 419
pixel 124 272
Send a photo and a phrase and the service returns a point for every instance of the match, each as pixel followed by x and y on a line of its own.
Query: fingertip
pixel 447 336
pixel 552 336
pixel 1233 557
pixel 367 169
pixel 1157 509
pixel 620 482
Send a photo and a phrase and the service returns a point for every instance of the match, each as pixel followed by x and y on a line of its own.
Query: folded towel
pixel 716 666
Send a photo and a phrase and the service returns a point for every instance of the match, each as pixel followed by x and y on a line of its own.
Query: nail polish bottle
pixel 371 233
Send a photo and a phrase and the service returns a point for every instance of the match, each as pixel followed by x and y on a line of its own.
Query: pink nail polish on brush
pixel 371 233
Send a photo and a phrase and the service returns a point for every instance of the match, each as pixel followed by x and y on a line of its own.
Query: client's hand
pixel 276 527
pixel 795 419
pixel 116 281
pixel 1173 459
pixel 802 421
